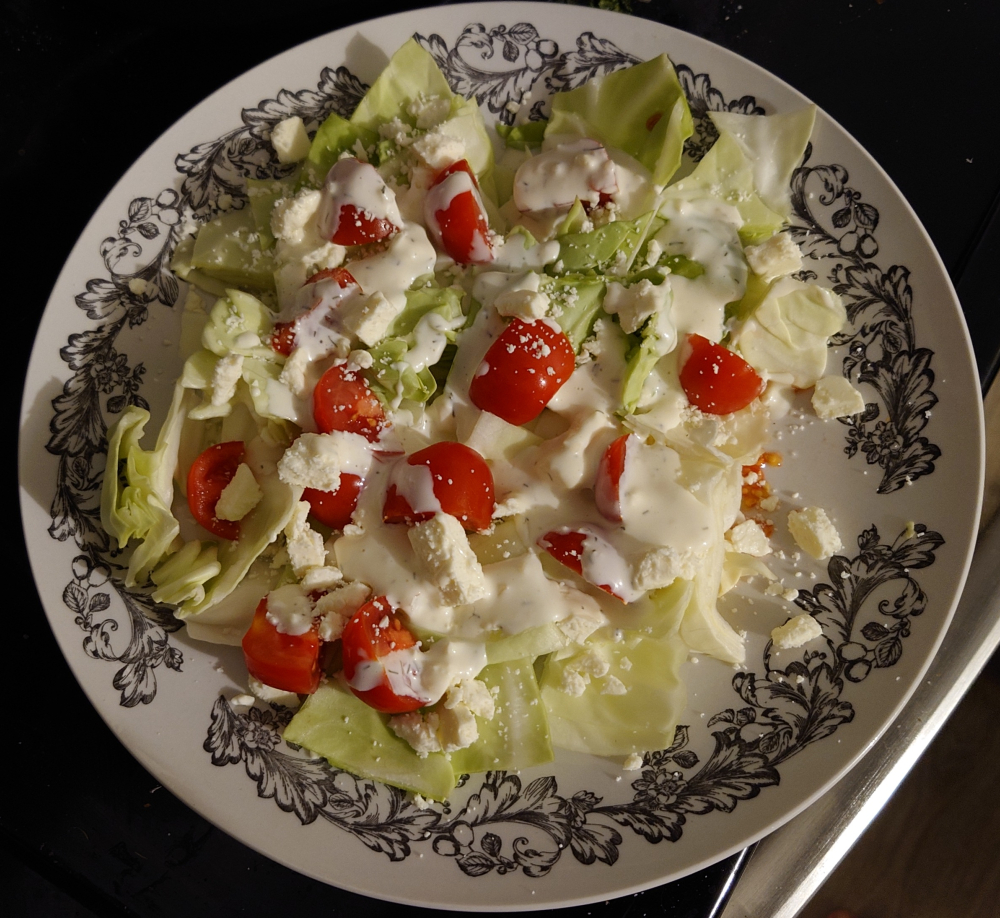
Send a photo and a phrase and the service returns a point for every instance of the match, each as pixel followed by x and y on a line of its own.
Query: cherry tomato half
pixel 567 548
pixel 207 478
pixel 456 217
pixel 462 483
pixel 372 634
pixel 334 508
pixel 290 662
pixel 715 379
pixel 607 494
pixel 342 400
pixel 522 370
pixel 344 222
pixel 283 334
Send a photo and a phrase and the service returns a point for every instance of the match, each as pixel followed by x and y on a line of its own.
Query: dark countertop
pixel 87 91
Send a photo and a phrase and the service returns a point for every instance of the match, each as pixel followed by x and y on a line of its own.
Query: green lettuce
pixel 641 110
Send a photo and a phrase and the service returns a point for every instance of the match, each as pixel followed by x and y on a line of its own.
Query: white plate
pixel 759 743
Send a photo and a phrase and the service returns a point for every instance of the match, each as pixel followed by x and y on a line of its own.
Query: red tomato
pixel 370 635
pixel 283 338
pixel 344 222
pixel 207 478
pixel 456 217
pixel 462 483
pixel 334 508
pixel 715 379
pixel 357 227
pixel 567 548
pixel 289 662
pixel 283 334
pixel 522 370
pixel 343 401
pixel 609 475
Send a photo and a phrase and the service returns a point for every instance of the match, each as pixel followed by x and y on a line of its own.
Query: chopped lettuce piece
pixel 521 136
pixel 632 707
pixel 775 144
pixel 577 302
pixel 518 735
pixel 335 136
pixel 138 489
pixel 609 249
pixel 726 173
pixel 641 110
pixel 262 194
pixel 228 249
pixel 337 725
pixel 788 331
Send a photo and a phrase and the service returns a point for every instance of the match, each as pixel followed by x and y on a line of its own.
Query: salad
pixel 473 423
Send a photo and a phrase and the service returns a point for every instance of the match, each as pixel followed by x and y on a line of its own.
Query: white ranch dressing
pixel 555 178
pixel 705 231
pixel 408 256
pixel 423 674
pixel 353 183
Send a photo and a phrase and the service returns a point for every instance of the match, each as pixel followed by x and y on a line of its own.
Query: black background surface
pixel 88 87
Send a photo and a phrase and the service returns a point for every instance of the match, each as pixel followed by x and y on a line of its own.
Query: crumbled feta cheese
pixel 591 663
pixel 473 694
pixel 814 533
pixel 137 286
pixel 632 762
pixel 775 257
pixel 429 111
pixel 317 460
pixel 443 549
pixel 240 496
pixel 370 319
pixel 662 566
pixel 613 686
pixel 573 682
pixel 749 538
pixel 293 373
pixel 798 630
pixel 835 397
pixel 292 216
pixel 419 733
pixel 290 140
pixel 456 727
pixel 322 577
pixel 439 149
pixel 272 695
pixel 522 298
pixel 577 628
pixel 337 607
pixel 634 305
pixel 227 373
pixel 305 545
pixel 290 609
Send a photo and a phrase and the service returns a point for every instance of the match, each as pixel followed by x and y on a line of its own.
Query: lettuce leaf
pixel 641 110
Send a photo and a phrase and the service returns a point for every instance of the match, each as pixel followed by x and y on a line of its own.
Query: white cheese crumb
pixel 635 304
pixel 370 320
pixel 290 140
pixel 305 545
pixel 798 630
pixel 814 533
pixel 240 496
pixel 749 538
pixel 227 373
pixel 443 549
pixel 662 566
pixel 317 460
pixel 632 762
pixel 338 606
pixel 835 397
pixel 613 686
pixel 775 257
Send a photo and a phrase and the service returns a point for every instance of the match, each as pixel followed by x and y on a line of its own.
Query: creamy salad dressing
pixel 352 183
pixel 409 255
